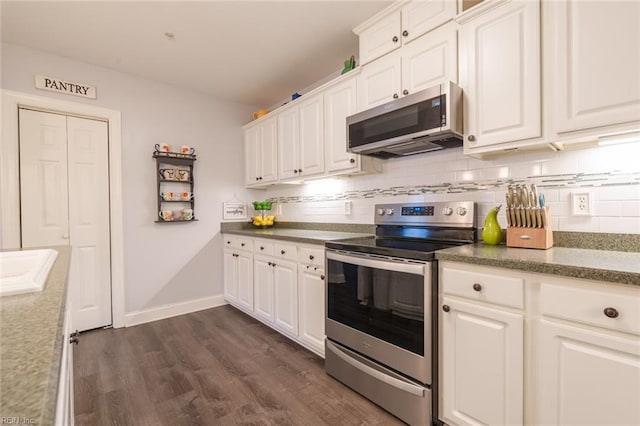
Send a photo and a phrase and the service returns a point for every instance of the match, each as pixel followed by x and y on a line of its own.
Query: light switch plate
pixel 347 207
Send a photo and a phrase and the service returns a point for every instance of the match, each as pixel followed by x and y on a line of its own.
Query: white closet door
pixel 90 270
pixel 65 201
pixel 43 179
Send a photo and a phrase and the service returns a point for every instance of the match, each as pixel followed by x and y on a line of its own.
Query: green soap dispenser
pixel 492 232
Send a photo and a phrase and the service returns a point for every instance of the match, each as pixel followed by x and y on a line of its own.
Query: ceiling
pixel 253 52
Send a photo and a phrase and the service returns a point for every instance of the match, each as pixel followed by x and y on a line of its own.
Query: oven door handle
pixel 387 265
pixel 379 375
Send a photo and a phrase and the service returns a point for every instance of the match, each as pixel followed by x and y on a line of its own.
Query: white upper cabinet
pixel 380 82
pixel 260 153
pixel 301 139
pixel 288 149
pixel 311 136
pixel 380 39
pixel 431 60
pixel 500 74
pixel 427 61
pixel 399 24
pixel 339 103
pixel 596 63
pixel 420 17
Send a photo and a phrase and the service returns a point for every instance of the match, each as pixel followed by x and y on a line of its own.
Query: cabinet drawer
pixel 588 306
pixel 263 247
pixel 238 243
pixel 490 288
pixel 285 251
pixel 311 256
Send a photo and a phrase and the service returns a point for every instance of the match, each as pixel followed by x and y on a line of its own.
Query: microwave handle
pixel 387 265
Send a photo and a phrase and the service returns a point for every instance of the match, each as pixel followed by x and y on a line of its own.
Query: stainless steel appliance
pixel 381 296
pixel 425 121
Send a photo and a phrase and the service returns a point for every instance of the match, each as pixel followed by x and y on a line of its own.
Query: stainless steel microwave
pixel 429 120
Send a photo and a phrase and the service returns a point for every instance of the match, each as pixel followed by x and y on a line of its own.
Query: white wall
pixel 610 174
pixel 164 263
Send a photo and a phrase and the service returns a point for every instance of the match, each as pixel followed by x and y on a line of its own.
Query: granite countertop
pixel 31 339
pixel 601 265
pixel 309 236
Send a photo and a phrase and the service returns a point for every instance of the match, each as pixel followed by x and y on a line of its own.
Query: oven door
pixel 380 307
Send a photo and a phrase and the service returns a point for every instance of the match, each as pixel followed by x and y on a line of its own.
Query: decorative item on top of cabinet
pixel 175 184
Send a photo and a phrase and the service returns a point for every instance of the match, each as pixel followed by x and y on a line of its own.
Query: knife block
pixel 535 238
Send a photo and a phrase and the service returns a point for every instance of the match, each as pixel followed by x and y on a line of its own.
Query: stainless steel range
pixel 381 296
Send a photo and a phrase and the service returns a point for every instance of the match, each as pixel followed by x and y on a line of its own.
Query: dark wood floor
pixel 214 367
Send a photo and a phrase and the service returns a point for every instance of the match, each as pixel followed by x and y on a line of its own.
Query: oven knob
pixel 447 211
pixel 461 211
pixel 390 212
pixel 380 212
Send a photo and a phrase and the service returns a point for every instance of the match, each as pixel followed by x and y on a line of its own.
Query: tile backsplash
pixel 610 174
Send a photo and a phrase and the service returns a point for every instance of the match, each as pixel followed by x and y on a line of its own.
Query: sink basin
pixel 25 271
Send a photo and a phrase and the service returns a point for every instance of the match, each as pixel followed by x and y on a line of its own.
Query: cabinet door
pixel 419 17
pixel 285 285
pixel 269 151
pixel 244 263
pixel 481 365
pixel 230 277
pixel 380 39
pixel 501 51
pixel 288 143
pixel 431 60
pixel 311 307
pixel 252 146
pixel 311 122
pixel 380 82
pixel 339 103
pixel 586 377
pixel 263 288
pixel 597 64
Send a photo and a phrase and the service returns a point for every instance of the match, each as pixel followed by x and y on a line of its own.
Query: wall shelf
pixel 174 173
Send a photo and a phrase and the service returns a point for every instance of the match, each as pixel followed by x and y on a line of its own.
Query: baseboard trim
pixel 168 311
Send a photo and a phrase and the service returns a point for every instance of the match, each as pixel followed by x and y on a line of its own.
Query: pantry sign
pixel 67 87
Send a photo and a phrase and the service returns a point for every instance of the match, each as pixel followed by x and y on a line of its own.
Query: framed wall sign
pixel 234 210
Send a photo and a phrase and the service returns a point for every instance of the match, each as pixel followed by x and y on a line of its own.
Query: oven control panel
pixel 441 213
pixel 417 210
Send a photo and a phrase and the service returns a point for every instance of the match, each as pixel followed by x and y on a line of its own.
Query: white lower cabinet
pixel 64 401
pixel 263 287
pixel 481 353
pixel 528 348
pixel 586 377
pixel 281 284
pixel 238 273
pixel 285 296
pixel 311 305
pixel 482 357
pixel 587 354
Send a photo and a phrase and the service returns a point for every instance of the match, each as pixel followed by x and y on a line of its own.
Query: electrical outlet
pixel 279 209
pixel 581 204
pixel 347 207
